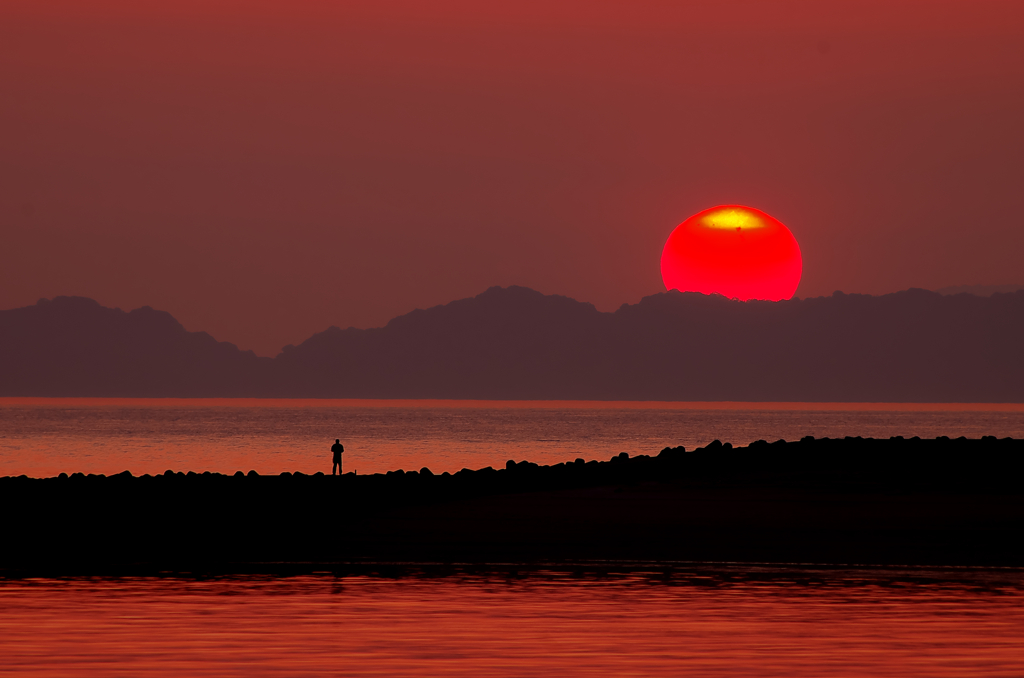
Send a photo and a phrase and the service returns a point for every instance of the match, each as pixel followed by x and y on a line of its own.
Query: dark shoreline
pixel 816 503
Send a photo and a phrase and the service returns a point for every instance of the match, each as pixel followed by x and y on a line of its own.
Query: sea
pixel 618 619
pixel 43 437
pixel 725 622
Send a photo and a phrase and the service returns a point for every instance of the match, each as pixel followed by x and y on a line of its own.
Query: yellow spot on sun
pixel 732 218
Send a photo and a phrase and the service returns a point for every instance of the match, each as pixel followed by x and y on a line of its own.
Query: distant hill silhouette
pixel 515 343
pixel 980 290
pixel 72 346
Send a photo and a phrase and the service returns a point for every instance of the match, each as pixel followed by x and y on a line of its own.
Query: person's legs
pixel 334 468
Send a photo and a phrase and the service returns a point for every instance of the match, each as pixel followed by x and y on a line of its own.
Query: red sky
pixel 265 169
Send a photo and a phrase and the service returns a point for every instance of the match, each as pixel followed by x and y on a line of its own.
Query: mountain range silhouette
pixel 516 343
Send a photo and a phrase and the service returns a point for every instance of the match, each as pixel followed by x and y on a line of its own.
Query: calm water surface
pixel 687 624
pixel 45 436
pixel 695 623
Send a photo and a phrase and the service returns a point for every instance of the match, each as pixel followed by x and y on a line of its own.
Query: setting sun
pixel 739 252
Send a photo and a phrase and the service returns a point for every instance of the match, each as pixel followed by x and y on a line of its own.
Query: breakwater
pixel 842 501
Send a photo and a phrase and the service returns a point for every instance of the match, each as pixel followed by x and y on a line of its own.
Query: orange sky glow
pixel 263 170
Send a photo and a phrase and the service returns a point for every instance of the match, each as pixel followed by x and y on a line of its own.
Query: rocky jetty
pixel 852 501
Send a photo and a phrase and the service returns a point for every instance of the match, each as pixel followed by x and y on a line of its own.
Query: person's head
pixel 337 440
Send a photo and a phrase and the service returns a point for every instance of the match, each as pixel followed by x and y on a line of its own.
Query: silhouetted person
pixel 337 448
